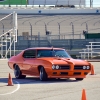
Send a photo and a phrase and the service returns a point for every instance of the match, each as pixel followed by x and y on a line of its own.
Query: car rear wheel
pixel 79 79
pixel 18 73
pixel 43 75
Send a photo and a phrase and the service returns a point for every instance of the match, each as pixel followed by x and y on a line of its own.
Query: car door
pixel 29 57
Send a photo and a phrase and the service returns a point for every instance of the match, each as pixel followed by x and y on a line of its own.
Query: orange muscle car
pixel 48 62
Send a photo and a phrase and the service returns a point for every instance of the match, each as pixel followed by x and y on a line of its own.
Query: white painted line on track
pixel 3 59
pixel 18 86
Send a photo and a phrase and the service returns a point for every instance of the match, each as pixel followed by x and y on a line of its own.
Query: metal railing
pixel 8 38
pixel 92 50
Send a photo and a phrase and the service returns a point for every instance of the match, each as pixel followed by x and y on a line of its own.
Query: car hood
pixel 57 60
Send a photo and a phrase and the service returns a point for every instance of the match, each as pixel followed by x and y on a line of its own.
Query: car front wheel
pixel 43 75
pixel 18 73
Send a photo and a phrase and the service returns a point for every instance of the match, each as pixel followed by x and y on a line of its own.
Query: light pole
pixel 31 29
pixel 72 29
pixel 45 27
pixel 59 29
pixel 30 25
pixel 86 26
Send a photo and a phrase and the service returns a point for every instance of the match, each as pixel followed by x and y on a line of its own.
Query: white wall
pixel 52 11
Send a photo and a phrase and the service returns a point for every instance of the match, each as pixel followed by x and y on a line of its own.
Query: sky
pixel 96 3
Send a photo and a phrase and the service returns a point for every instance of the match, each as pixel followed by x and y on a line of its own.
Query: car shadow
pixel 34 80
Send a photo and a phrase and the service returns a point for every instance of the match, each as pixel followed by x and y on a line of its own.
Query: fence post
pixel 91 49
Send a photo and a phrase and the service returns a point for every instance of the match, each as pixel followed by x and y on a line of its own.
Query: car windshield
pixel 52 53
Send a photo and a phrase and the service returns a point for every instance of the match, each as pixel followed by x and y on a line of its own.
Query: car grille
pixel 64 67
pixel 76 67
pixel 64 73
pixel 77 73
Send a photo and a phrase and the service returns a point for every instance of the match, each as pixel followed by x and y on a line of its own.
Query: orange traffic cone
pixel 10 83
pixel 92 70
pixel 83 95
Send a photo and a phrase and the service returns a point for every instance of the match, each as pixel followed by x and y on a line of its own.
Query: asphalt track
pixel 32 88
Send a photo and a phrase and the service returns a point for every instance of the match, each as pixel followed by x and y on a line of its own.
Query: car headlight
pixel 84 67
pixel 88 67
pixel 53 66
pixel 57 67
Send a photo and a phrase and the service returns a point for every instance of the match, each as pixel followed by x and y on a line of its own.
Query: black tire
pixel 43 75
pixel 18 73
pixel 79 79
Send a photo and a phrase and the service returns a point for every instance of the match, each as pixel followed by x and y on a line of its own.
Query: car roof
pixel 48 48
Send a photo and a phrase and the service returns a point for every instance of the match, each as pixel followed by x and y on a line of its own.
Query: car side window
pixel 29 54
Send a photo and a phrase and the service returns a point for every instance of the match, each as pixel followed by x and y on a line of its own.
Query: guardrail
pixel 91 49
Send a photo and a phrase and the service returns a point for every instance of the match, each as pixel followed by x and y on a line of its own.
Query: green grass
pixel 13 2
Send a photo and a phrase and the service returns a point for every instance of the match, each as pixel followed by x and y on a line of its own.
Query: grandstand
pixel 64 25
pixel 51 29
